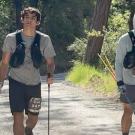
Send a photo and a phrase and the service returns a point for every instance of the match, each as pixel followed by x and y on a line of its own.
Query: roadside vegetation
pixel 89 77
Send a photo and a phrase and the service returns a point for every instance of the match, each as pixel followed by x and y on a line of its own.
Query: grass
pixel 87 76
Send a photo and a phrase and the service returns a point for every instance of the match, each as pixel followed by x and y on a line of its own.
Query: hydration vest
pixel 129 60
pixel 17 58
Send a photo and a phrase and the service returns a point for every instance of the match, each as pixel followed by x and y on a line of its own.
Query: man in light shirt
pixel 125 75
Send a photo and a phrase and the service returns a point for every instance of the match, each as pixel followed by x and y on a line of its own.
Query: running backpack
pixel 129 60
pixel 18 56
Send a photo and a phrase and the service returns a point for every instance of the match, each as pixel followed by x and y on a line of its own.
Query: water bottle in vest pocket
pixel 17 57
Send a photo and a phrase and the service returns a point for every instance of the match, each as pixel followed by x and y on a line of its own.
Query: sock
pixel 125 133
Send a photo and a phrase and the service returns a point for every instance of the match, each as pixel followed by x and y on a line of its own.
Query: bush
pixel 87 76
pixel 118 25
pixel 78 47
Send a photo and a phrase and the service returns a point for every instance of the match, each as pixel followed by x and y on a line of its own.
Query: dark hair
pixel 31 10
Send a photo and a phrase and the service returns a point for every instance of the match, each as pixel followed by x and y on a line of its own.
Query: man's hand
pixel 121 87
pixel 1 85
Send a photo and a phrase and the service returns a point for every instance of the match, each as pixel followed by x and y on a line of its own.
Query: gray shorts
pixel 130 93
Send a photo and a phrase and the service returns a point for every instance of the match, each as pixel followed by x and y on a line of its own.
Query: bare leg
pixel 126 120
pixel 18 127
pixel 31 121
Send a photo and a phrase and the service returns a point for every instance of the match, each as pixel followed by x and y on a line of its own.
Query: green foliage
pixel 95 33
pixel 87 76
pixel 78 47
pixel 118 25
pixel 105 84
pixel 120 6
pixel 4 20
pixel 65 19
pixel 64 22
pixel 81 74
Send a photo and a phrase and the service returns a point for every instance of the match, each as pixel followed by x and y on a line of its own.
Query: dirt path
pixel 73 112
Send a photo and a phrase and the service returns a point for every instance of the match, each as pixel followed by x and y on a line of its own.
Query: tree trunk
pixel 131 4
pixel 43 15
pixel 34 3
pixel 18 7
pixel 130 22
pixel 99 21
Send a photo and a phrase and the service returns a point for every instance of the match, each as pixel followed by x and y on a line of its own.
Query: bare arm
pixel 4 65
pixel 50 69
pixel 50 65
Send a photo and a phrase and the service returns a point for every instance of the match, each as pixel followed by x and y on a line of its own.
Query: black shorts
pixel 20 95
pixel 130 93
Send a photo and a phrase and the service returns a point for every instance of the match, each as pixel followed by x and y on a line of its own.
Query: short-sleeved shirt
pixel 27 73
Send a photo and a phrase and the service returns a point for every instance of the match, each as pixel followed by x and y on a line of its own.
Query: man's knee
pixel 31 121
pixel 32 117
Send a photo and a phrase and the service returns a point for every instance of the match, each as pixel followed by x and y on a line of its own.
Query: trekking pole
pixel 112 73
pixel 109 64
pixel 48 109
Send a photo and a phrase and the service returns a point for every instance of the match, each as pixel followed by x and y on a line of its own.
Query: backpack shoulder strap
pixel 132 37
pixel 18 38
pixel 37 39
